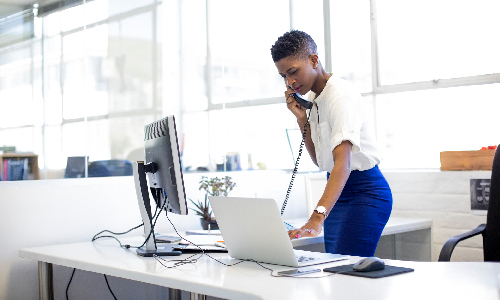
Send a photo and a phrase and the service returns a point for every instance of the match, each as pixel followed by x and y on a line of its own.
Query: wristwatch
pixel 321 210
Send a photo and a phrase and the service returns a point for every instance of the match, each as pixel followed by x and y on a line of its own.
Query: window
pixel 229 72
pixel 90 77
pixel 426 40
pixel 241 63
pixel 436 72
pixel 351 42
pixel 416 126
pixel 91 88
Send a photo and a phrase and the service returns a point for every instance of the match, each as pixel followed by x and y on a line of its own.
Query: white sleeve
pixel 345 119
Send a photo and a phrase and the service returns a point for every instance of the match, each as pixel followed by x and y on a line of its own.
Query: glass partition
pixel 82 88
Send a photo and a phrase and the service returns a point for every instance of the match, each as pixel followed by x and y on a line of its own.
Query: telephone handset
pixel 302 101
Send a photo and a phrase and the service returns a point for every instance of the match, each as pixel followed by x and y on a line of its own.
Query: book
pixel 15 169
pixel 5 170
pixel 26 169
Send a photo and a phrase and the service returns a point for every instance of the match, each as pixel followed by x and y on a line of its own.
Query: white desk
pixel 431 280
pixel 402 239
pixel 395 225
pixel 389 246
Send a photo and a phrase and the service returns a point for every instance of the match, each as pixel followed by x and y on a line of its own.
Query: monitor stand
pixel 141 189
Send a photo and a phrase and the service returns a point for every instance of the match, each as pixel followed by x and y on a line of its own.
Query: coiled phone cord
pixel 294 173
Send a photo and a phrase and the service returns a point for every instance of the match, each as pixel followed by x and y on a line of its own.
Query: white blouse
pixel 340 114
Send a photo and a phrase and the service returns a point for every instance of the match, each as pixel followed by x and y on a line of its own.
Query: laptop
pixel 252 229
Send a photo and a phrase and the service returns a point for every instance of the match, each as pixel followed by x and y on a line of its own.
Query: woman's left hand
pixel 312 228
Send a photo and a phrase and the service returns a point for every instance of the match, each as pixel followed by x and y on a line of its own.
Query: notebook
pixel 252 228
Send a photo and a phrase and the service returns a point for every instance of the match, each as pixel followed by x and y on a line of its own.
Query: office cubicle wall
pixel 51 212
pixel 443 197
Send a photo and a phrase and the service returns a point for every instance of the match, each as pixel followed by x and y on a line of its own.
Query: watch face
pixel 320 209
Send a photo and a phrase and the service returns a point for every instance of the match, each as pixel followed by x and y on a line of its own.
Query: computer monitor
pixel 163 166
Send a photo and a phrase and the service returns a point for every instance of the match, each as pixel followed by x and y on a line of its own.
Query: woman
pixel 340 139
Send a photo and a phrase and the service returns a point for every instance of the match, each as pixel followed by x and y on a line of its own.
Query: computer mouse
pixel 369 264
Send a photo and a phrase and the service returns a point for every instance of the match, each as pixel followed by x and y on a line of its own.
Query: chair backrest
pixel 491 235
pixel 113 167
pixel 75 167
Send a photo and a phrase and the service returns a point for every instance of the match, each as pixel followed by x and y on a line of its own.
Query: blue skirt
pixel 356 222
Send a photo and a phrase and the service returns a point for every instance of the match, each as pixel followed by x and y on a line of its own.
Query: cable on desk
pixel 110 236
pixel 151 232
pixel 98 236
pixel 188 260
pixel 119 233
pixel 155 216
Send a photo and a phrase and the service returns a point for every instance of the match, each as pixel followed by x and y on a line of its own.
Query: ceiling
pixel 9 7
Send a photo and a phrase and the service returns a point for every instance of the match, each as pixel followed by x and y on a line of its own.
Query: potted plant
pixel 212 187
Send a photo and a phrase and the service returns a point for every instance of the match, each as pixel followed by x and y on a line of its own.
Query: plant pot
pixel 213 224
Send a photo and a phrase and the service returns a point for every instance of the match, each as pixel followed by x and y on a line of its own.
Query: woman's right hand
pixel 292 104
pixel 312 228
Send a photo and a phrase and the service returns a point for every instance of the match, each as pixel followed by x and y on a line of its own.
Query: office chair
pixel 490 230
pixel 75 167
pixel 113 167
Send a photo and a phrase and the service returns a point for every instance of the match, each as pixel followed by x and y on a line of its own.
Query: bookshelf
pixel 33 171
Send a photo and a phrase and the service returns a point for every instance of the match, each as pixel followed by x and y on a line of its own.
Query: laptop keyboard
pixel 305 258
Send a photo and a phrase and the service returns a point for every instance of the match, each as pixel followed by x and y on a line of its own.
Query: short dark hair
pixel 295 43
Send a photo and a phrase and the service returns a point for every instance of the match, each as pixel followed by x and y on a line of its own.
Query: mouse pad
pixel 387 271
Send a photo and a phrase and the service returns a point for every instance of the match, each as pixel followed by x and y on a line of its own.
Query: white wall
pixel 49 212
pixel 444 197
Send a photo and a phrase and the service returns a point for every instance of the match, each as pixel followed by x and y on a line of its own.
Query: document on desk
pixel 191 248
pixel 202 240
pixel 203 232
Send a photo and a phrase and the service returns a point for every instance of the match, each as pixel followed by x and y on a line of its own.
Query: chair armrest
pixel 450 244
